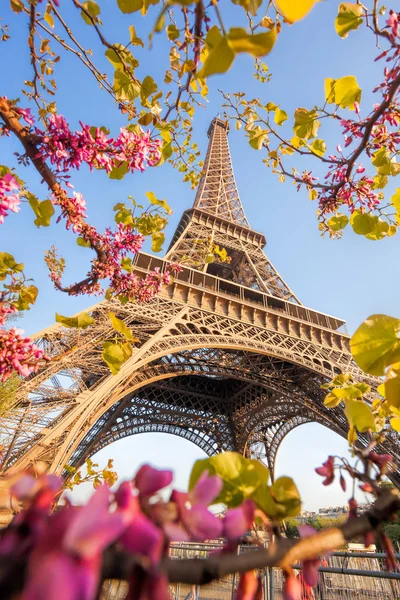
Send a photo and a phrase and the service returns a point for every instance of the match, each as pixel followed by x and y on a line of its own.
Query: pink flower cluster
pixel 130 286
pixel 9 195
pixel 18 353
pixel 68 150
pixel 64 549
pixel 6 310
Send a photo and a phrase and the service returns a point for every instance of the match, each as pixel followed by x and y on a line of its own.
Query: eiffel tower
pixel 229 357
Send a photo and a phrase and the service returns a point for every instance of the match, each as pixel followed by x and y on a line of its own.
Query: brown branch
pixel 284 553
pixel 11 121
pixel 31 44
pixel 105 43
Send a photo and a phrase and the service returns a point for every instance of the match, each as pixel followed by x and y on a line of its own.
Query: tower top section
pixel 217 193
pixel 218 122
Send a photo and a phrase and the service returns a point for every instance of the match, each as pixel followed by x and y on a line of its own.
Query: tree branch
pixel 283 553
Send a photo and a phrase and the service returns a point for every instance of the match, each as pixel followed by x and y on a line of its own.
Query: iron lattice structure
pixel 229 358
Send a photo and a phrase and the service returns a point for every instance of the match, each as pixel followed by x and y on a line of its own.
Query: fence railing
pixel 358 575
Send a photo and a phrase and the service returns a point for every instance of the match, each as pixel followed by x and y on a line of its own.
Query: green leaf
pixel 250 6
pixel 344 91
pixel 115 354
pixel 331 401
pixel 135 41
pixel 8 264
pixel 359 415
pixel 119 172
pixel 27 296
pixel 154 200
pixel 338 222
pixel 286 496
pixel 173 32
pixel 257 136
pixel 129 6
pixel 48 17
pixel 17 5
pixel 257 45
pixel 82 242
pixel 318 147
pixel 157 240
pixel 372 227
pixel 148 87
pixel 349 17
pixel 93 9
pixel 241 476
pixel 82 321
pixel 125 87
pixel 280 116
pixel 220 54
pixel 120 326
pixel 306 123
pixel 376 344
pixel 223 48
pixel 294 10
pixel 348 392
pixel 43 210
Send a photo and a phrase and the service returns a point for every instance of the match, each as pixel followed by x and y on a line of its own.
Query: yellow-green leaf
pixel 306 123
pixel 173 32
pixel 349 17
pixel 125 87
pixel 251 6
pixel 136 41
pixel 129 6
pixel 286 496
pixel 395 423
pixel 257 136
pixel 81 321
pixel 359 415
pixel 294 10
pixel 48 17
pixel 258 44
pixel 120 326
pixel 376 344
pixel 371 226
pixel 318 147
pixel 93 9
pixel 280 116
pixel 338 222
pixel 157 240
pixel 154 200
pixel 220 55
pixel 344 91
pixel 115 354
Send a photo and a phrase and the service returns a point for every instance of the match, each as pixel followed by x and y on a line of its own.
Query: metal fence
pixel 358 575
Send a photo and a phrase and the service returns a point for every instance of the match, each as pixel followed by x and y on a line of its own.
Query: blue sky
pixel 350 278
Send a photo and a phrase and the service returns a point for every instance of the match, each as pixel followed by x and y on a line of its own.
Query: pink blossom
pixel 149 480
pixel 25 114
pixel 327 470
pixel 206 489
pixel 239 521
pixel 291 588
pixel 9 195
pixel 18 353
pixel 393 23
pixel 6 310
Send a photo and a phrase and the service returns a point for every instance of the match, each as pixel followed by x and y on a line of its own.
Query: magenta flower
pixel 66 560
pixel 291 588
pixel 238 521
pixel 206 489
pixel 327 470
pixel 9 195
pixel 310 567
pixel 18 354
pixel 149 480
